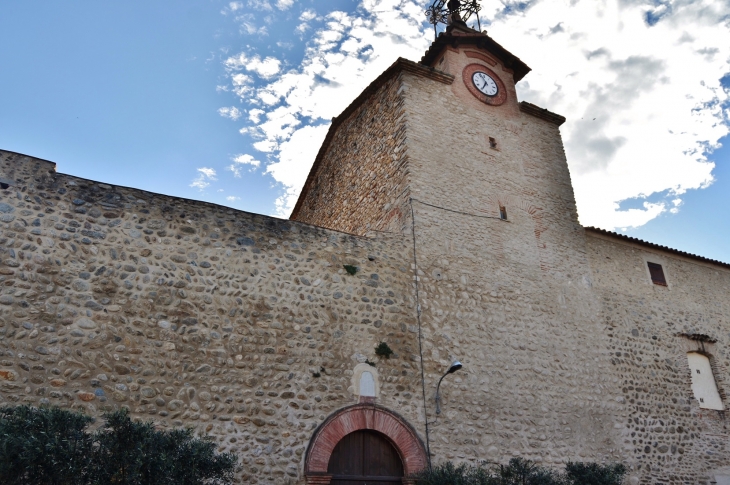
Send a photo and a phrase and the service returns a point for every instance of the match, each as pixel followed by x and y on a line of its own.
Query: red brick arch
pixel 354 418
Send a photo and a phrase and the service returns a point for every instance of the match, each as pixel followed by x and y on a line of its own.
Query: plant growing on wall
pixel 351 270
pixel 382 350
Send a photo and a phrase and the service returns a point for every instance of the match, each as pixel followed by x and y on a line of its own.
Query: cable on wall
pixel 420 334
pixel 418 302
pixel 454 210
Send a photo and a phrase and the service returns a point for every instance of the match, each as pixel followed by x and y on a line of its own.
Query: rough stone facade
pixel 528 304
pixel 250 328
pixel 244 326
pixel 364 170
pixel 651 328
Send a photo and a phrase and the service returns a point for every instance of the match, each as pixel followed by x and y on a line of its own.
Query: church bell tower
pixel 442 155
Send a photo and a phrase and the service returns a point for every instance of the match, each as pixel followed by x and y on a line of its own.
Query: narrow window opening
pixel 502 213
pixel 704 386
pixel 492 142
pixel 657 274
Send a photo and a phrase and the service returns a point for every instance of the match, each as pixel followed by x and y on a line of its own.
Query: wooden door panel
pixel 366 481
pixel 365 457
pixel 347 457
pixel 381 458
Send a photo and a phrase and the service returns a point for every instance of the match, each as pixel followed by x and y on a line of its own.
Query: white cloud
pixel 284 4
pixel 676 203
pixel 250 23
pixel 255 114
pixel 230 112
pixel 239 161
pixel 232 198
pixel 205 175
pixel 259 5
pixel 341 59
pixel 295 157
pixel 232 7
pixel 643 102
pixel 265 68
pixel 308 15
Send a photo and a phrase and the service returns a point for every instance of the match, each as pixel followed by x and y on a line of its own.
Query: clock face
pixel 484 83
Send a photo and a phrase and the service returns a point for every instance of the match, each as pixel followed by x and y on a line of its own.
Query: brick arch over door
pixel 359 417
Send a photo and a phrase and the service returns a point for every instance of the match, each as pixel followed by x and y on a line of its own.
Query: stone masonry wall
pixel 668 436
pixel 243 326
pixel 511 299
pixel 248 327
pixel 359 184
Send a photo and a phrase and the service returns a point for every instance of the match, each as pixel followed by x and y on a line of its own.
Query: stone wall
pixel 243 326
pixel 359 180
pixel 651 328
pixel 510 298
pixel 530 306
pixel 249 328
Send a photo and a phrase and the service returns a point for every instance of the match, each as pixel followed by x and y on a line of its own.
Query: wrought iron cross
pixel 450 11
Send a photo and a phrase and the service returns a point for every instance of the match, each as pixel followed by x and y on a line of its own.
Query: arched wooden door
pixel 365 457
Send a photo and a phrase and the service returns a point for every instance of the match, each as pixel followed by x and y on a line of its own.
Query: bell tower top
pixel 459 35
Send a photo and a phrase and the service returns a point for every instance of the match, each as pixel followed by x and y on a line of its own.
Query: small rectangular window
pixel 492 142
pixel 502 213
pixel 657 274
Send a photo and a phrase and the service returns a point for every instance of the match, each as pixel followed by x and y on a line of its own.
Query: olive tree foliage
pixel 594 474
pixel 46 446
pixel 522 472
pixel 51 446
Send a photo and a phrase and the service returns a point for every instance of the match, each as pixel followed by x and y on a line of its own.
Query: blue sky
pixel 228 101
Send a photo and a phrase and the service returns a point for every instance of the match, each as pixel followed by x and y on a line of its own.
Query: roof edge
pixel 542 113
pixel 454 38
pixel 648 244
pixel 203 203
pixel 54 167
pixel 400 65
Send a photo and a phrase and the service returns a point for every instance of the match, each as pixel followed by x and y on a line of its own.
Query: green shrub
pixel 50 446
pixel 131 453
pixel 448 473
pixel 522 472
pixel 46 446
pixel 525 472
pixel 594 474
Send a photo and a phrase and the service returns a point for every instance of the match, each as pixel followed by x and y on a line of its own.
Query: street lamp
pixel 456 365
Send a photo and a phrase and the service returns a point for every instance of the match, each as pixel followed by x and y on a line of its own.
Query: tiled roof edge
pixel 480 40
pixel 542 113
pixel 657 246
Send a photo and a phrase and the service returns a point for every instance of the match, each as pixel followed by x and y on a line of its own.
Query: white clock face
pixel 484 83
